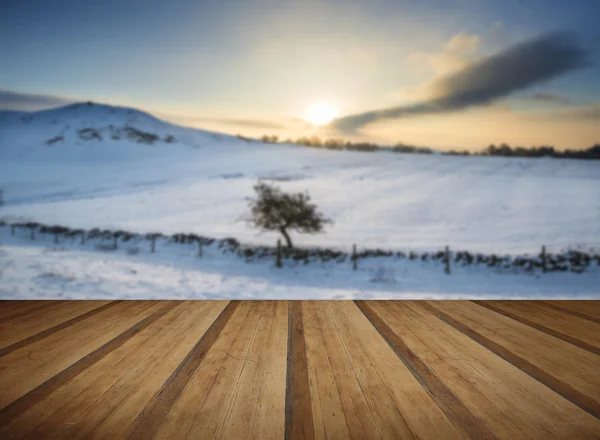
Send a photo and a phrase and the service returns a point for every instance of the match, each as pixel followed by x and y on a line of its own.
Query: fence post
pixel 82 237
pixel 199 248
pixel 56 237
pixel 354 258
pixel 32 233
pixel 12 229
pixel 544 259
pixel 115 244
pixel 153 245
pixel 447 260
pixel 278 260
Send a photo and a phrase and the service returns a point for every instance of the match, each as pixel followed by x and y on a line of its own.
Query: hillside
pixel 67 165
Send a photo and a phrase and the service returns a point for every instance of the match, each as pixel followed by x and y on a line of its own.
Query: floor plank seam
pixel 299 423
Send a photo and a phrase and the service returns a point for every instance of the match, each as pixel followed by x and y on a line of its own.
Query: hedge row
pixel 565 261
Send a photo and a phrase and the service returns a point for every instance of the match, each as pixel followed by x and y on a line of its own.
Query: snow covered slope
pixel 100 166
pixel 88 131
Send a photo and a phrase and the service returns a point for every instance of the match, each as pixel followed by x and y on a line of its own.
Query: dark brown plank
pixel 154 413
pixel 34 396
pixel 555 384
pixel 570 339
pixel 298 407
pixel 44 334
pixel 464 420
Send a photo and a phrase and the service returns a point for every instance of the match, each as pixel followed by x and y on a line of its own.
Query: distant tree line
pixel 503 150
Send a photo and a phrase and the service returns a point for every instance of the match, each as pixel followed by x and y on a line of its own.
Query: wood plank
pixel 507 400
pixel 50 324
pixel 258 401
pixel 537 354
pixel 467 422
pixel 112 413
pixel 214 413
pixel 35 395
pixel 329 418
pixel 26 308
pixel 26 368
pixel 76 394
pixel 298 411
pixel 386 375
pixel 577 331
pixel 572 309
pixel 587 308
pixel 182 414
pixel 153 415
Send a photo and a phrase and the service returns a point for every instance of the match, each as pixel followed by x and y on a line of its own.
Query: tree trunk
pixel 288 240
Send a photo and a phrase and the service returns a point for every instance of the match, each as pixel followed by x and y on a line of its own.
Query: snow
pixel 41 269
pixel 199 184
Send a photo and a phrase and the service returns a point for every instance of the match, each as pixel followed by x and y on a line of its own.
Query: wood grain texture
pixel 302 369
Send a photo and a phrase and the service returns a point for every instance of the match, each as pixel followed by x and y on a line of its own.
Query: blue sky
pixel 269 60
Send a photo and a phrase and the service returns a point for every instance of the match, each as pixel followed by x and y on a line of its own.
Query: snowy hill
pixel 89 130
pixel 87 166
pixel 68 165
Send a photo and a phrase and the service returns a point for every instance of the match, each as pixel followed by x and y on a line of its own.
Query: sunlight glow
pixel 321 113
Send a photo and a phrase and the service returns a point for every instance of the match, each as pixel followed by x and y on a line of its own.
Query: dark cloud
pixel 519 67
pixel 29 102
pixel 548 98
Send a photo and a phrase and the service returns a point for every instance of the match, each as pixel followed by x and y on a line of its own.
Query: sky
pixel 439 73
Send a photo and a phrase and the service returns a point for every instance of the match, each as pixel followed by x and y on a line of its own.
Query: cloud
pixel 548 98
pixel 483 82
pixel 10 100
pixel 457 53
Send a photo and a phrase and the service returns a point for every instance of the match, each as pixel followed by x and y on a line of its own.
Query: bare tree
pixel 274 210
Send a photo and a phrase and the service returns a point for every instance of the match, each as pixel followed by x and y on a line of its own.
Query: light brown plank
pixel 154 413
pixel 180 418
pixel 19 336
pixel 510 402
pixel 568 307
pixel 26 308
pixel 461 416
pixel 77 393
pixel 257 409
pixel 110 415
pixel 564 368
pixel 587 308
pixel 48 376
pixel 577 331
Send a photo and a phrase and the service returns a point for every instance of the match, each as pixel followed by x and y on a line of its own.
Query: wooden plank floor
pixel 300 369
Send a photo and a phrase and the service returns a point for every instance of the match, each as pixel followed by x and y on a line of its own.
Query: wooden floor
pixel 310 369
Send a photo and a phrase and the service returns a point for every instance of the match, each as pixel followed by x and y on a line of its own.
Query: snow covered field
pixel 198 183
pixel 42 269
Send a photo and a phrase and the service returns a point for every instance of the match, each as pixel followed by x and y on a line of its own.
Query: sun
pixel 321 113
